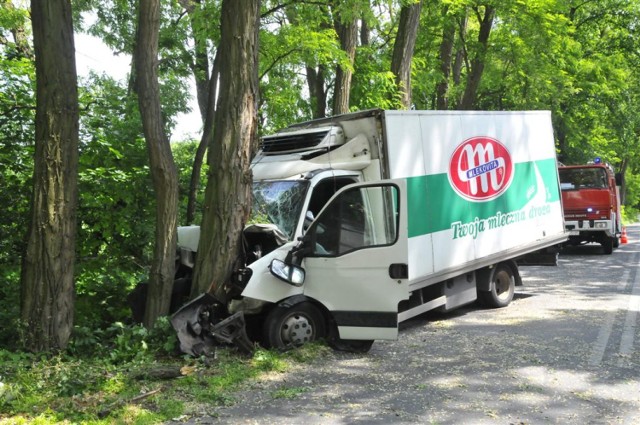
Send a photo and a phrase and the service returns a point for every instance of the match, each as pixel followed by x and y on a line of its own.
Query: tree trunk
pixel 47 286
pixel 316 79
pixel 460 54
pixel 478 62
pixel 348 35
pixel 205 140
pixel 403 50
pixel 446 56
pixel 163 170
pixel 228 192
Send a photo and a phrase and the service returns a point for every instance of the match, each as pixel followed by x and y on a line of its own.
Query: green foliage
pixel 9 304
pixel 124 343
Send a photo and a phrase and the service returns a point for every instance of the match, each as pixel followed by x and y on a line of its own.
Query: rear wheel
pixel 289 327
pixel 503 285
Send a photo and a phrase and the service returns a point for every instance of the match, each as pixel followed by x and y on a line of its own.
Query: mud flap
pixel 201 326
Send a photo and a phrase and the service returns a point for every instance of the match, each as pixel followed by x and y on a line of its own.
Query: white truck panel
pixel 463 230
pixel 440 132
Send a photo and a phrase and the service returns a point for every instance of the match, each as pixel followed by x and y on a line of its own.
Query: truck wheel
pixel 289 327
pixel 607 245
pixel 616 242
pixel 503 285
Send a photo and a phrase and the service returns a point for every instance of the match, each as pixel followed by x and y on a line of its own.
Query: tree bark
pixel 403 50
pixel 478 61
pixel 348 35
pixel 47 285
pixel 228 192
pixel 163 170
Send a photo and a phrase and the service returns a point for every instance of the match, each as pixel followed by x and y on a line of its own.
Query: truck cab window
pixel 359 218
pixel 583 178
pixel 324 190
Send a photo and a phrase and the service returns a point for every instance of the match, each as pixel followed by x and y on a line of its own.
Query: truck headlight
pixel 601 225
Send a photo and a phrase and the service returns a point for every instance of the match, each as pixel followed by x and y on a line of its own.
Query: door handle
pixel 399 271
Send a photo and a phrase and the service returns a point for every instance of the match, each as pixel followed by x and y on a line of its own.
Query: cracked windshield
pixel 279 203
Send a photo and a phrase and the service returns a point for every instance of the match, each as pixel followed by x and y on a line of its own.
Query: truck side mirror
pixel 618 179
pixel 308 219
pixel 289 273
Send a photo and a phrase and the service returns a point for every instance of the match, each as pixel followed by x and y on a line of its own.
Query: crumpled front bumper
pixel 202 324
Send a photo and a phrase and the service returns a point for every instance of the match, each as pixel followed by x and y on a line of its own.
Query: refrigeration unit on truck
pixel 591 202
pixel 375 217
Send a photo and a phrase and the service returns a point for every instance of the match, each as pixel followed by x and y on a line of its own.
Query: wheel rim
pixel 297 329
pixel 503 285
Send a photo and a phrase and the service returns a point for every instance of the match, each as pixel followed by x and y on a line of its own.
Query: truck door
pixel 356 260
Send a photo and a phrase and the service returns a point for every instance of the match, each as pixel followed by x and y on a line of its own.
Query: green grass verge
pixel 145 390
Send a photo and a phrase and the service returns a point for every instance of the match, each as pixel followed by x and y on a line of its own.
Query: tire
pixel 503 285
pixel 616 242
pixel 607 245
pixel 289 327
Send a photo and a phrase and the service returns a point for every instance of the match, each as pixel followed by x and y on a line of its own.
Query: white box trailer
pixel 378 216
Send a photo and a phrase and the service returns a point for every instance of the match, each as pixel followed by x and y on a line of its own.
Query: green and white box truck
pixel 374 217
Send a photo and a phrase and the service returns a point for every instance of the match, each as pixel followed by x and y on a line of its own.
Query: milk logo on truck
pixel 480 169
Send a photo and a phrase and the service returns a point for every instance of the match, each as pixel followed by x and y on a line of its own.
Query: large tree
pixel 485 15
pixel 163 169
pixel 346 26
pixel 403 49
pixel 47 279
pixel 228 191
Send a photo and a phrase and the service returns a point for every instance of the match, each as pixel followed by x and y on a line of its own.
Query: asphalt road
pixel 566 351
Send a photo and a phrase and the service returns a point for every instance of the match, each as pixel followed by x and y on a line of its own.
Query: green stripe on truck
pixel 433 204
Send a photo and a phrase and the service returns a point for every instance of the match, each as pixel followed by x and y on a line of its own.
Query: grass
pixel 66 389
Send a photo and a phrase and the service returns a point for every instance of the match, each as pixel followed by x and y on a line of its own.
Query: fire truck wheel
pixel 289 327
pixel 616 242
pixel 607 245
pixel 503 285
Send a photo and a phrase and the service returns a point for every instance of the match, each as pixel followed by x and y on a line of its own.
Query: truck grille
pixel 302 140
pixel 293 143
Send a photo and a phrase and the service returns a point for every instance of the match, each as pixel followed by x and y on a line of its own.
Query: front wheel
pixel 503 286
pixel 288 327
pixel 607 245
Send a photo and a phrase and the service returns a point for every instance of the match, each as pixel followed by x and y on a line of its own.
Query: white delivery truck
pixel 374 217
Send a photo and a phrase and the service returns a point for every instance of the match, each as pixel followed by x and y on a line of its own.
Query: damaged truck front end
pixel 295 174
pixel 205 322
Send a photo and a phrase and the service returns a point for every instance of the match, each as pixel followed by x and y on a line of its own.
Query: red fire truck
pixel 591 203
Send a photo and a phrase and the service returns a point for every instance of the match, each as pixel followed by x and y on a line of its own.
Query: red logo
pixel 480 169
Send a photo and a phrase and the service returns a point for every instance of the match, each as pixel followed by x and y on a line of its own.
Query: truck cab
pixel 591 203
